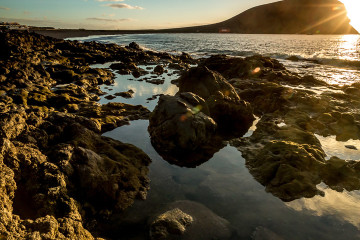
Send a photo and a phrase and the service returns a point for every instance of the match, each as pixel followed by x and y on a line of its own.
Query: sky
pixel 122 14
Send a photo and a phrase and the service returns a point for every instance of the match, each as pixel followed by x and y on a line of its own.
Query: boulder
pixel 179 126
pixel 225 106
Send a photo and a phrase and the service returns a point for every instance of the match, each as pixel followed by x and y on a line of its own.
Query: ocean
pixel 331 58
pixel 223 184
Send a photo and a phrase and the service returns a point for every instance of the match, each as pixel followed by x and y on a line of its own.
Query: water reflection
pixel 342 150
pixel 143 91
pixel 343 205
pixel 225 185
pixel 349 46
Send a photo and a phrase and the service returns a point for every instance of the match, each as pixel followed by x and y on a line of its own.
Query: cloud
pixel 110 0
pixel 108 15
pixel 109 19
pixel 4 8
pixel 123 5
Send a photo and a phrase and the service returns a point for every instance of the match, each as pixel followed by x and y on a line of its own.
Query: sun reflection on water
pixel 349 46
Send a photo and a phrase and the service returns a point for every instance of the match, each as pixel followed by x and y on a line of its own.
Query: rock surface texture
pixel 59 177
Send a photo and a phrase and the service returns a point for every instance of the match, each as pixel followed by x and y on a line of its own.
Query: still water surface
pixel 224 184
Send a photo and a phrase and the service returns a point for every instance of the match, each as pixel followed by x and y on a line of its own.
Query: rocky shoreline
pixel 60 177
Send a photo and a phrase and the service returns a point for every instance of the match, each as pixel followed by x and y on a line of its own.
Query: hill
pixel 285 17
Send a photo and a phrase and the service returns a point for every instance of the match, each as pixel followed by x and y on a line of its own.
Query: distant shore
pixel 71 33
pixel 74 33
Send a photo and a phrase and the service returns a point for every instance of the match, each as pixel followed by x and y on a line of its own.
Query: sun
pixel 353 7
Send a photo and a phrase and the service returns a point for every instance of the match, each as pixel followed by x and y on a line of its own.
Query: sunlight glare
pixel 352 7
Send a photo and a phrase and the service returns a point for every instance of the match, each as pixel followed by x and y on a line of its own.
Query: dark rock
pixel 293 58
pixel 134 45
pixel 351 147
pixel 159 69
pixel 136 74
pixel 180 129
pixel 110 97
pixel 128 94
pixel 230 113
pixel 155 81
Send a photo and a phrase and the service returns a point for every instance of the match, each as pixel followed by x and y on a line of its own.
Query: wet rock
pixel 159 69
pixel 178 66
pixel 351 147
pixel 232 115
pixel 112 115
pixel 293 58
pixel 128 94
pixel 110 97
pixel 173 222
pixel 155 81
pixel 134 45
pixel 179 126
pixel 185 57
pixel 154 97
pixel 136 74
